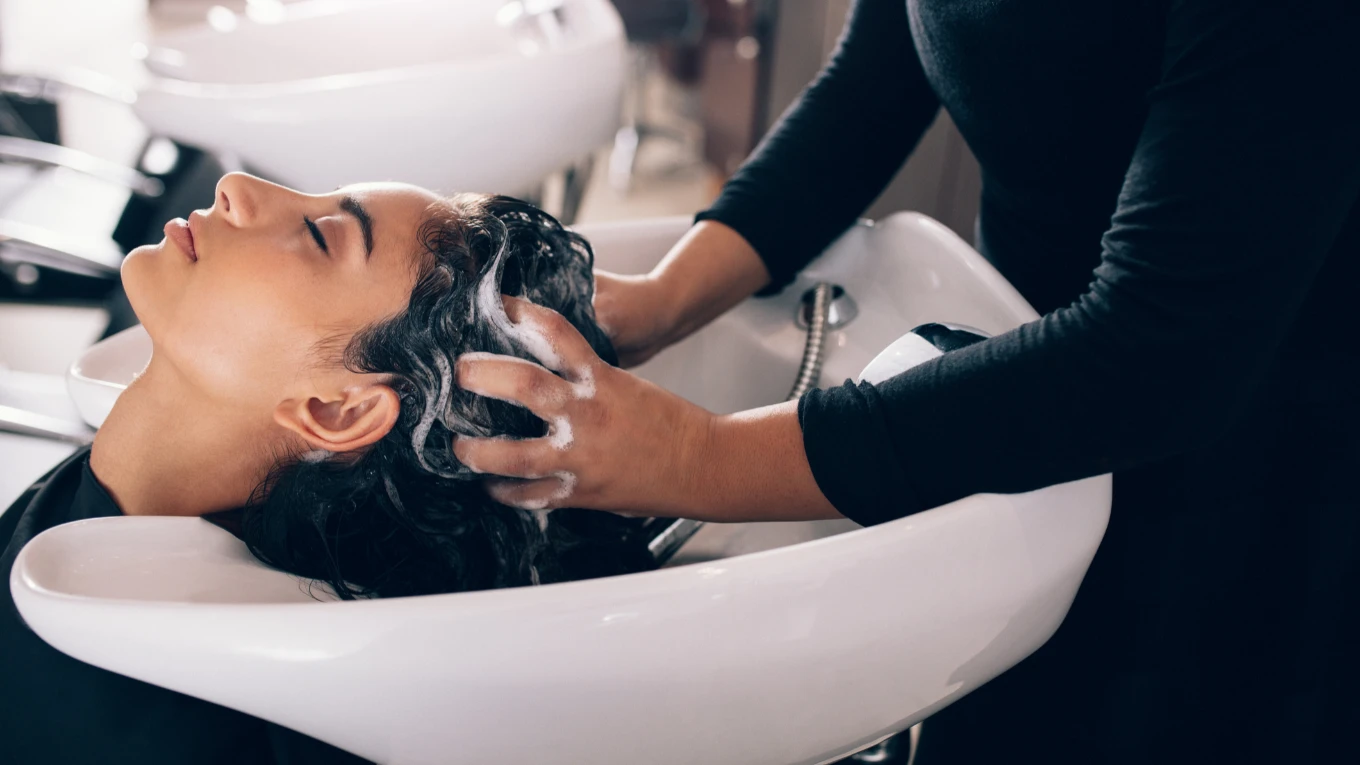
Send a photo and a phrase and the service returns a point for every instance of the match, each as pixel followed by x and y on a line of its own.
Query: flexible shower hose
pixel 810 370
pixel 674 534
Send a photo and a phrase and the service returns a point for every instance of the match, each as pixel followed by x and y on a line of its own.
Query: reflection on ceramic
pixel 792 655
pixel 453 96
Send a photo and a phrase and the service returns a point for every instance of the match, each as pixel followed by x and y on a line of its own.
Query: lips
pixel 179 233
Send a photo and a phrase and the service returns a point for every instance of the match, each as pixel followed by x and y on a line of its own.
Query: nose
pixel 245 200
pixel 236 199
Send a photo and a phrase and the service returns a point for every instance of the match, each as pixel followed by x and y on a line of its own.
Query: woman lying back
pixel 303 371
pixel 302 392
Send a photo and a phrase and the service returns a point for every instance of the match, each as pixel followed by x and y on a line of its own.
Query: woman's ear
pixel 356 417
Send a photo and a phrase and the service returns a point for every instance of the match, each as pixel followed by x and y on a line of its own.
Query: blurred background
pixel 702 82
pixel 117 115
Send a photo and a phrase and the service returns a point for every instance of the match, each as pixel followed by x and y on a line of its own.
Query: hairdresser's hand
pixel 633 311
pixel 617 442
pixel 710 269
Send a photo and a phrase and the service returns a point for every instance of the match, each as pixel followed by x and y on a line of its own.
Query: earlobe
pixel 359 417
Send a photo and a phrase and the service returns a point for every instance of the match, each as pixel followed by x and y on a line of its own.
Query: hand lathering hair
pixel 404 517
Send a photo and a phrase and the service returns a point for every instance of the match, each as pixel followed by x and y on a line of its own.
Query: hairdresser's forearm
pixel 708 272
pixel 751 466
pixel 617 442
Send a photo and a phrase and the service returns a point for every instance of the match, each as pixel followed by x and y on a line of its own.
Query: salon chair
pixel 779 644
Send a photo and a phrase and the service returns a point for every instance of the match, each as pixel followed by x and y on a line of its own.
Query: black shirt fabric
pixel 1175 186
pixel 56 710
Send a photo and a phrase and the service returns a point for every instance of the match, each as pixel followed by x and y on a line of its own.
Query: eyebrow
pixel 351 205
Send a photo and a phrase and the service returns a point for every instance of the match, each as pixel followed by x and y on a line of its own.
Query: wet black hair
pixel 404 517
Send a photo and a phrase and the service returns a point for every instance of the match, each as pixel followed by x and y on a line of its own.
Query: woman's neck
pixel 167 450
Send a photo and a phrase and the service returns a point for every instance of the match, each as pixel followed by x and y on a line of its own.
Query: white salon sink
pixel 453 96
pixel 790 654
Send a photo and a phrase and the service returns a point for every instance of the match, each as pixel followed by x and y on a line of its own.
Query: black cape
pixel 55 709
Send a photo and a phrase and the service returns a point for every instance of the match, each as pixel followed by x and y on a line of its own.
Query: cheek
pixel 242 334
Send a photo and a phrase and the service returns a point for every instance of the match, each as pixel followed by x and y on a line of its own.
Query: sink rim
pixel 158 76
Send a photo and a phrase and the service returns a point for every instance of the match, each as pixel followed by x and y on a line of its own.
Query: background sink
pixel 453 96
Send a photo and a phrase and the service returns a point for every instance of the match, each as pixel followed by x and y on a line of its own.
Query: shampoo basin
pixel 786 644
pixel 453 96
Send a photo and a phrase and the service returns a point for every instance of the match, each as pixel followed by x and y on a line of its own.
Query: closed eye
pixel 317 235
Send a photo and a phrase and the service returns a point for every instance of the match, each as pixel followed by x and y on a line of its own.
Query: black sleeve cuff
pixel 730 214
pixel 850 450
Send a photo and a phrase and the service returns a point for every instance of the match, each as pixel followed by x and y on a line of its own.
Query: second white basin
pixel 453 96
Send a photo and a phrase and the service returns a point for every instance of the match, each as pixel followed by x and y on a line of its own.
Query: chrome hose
pixel 672 535
pixel 810 370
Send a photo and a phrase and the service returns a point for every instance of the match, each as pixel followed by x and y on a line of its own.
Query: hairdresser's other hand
pixel 632 311
pixel 710 269
pixel 617 442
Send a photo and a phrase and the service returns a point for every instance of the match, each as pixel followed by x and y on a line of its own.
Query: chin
pixel 143 279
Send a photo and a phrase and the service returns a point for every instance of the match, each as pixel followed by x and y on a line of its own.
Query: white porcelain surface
pixel 788 656
pixel 442 94
pixel 103 372
pixel 906 352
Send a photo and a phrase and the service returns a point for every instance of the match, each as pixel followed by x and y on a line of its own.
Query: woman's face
pixel 241 298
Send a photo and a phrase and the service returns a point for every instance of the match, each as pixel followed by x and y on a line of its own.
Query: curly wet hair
pixel 405 517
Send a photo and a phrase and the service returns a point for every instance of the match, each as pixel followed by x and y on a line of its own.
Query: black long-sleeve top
pixel 1175 186
pixel 1202 157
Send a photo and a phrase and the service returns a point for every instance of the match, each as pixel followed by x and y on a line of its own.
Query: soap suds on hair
pixel 435 407
pixel 559 427
pixel 555 400
pixel 535 340
pixel 529 336
pixel 405 516
pixel 541 516
pixel 540 504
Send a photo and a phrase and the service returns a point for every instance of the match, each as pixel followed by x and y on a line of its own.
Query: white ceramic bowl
pixel 793 655
pixel 446 95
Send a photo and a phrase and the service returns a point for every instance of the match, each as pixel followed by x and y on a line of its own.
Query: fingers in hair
pixel 517 381
pixel 529 458
pixel 546 493
pixel 571 353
